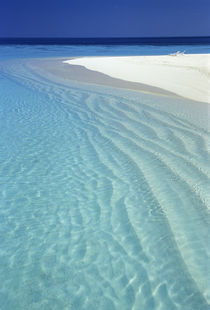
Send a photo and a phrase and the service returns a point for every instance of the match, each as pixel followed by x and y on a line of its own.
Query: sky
pixel 104 18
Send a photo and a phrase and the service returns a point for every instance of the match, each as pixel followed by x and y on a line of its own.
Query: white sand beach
pixel 187 75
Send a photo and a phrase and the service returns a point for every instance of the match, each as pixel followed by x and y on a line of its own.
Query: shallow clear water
pixel 104 197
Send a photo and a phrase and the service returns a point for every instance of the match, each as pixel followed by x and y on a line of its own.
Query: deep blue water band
pixel 105 41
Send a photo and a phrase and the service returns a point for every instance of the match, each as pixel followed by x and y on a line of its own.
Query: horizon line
pixel 102 37
pixel 205 40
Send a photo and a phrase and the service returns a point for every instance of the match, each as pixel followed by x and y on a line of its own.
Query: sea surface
pixel 104 193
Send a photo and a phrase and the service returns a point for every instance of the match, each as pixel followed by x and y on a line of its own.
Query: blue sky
pixel 104 18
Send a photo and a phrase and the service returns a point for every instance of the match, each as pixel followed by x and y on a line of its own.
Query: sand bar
pixel 58 70
pixel 186 75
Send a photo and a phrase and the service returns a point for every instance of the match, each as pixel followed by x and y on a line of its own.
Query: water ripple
pixel 104 197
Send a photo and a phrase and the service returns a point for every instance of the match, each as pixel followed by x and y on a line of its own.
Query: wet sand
pixel 56 68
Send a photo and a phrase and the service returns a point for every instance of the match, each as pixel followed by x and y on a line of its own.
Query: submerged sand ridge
pixel 187 75
pixel 119 177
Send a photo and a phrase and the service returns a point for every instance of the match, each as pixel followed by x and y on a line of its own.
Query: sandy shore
pixel 58 70
pixel 185 75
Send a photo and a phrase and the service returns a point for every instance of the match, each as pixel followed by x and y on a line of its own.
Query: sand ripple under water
pixel 104 198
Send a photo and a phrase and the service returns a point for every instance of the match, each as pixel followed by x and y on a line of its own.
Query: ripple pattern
pixel 104 197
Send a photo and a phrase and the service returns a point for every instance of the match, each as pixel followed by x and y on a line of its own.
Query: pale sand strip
pixel 185 75
pixel 55 69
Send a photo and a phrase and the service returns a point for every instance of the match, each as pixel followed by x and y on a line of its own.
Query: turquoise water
pixel 28 51
pixel 104 196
